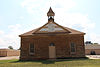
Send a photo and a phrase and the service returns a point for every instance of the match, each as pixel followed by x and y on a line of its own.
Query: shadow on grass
pixel 37 61
pixel 51 61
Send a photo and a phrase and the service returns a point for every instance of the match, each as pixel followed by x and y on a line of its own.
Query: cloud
pixel 1 32
pixel 75 19
pixel 11 38
pixel 21 17
pixel 35 6
pixel 95 37
pixel 2 41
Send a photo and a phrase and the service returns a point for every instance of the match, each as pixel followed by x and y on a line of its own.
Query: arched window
pixel 92 53
pixel 72 47
pixel 31 48
pixel 51 44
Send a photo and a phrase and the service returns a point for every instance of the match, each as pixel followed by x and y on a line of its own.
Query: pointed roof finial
pixel 50 12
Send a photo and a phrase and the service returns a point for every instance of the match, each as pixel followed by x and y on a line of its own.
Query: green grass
pixel 51 63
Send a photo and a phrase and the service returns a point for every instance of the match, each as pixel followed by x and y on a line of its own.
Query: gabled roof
pixel 52 28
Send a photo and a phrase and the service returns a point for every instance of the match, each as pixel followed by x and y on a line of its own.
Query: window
pixel 72 47
pixel 92 53
pixel 31 50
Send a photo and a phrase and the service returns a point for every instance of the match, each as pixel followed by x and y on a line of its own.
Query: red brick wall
pixel 9 52
pixel 88 51
pixel 13 53
pixel 62 45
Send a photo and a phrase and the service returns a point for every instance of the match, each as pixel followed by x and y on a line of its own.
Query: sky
pixel 20 16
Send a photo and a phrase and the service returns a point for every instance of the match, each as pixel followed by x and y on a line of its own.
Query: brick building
pixel 9 52
pixel 52 41
pixel 92 49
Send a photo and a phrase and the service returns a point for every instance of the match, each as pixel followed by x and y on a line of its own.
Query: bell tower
pixel 50 15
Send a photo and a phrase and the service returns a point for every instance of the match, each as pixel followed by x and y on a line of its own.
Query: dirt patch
pixel 9 58
pixel 93 56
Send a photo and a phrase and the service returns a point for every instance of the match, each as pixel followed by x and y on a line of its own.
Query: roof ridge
pixel 74 30
pixel 62 27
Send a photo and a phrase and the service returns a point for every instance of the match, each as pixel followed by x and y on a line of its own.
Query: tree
pixel 10 47
pixel 95 43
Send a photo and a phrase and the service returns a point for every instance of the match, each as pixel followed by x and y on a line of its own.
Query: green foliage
pixel 10 47
pixel 51 63
pixel 96 43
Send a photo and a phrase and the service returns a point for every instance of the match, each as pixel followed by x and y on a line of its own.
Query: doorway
pixel 52 52
pixel 92 53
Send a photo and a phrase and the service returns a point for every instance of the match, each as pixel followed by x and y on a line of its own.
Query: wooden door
pixel 52 52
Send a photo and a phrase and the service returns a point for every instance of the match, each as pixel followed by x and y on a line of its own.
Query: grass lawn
pixel 51 63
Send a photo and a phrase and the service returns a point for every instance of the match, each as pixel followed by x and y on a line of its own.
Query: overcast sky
pixel 19 16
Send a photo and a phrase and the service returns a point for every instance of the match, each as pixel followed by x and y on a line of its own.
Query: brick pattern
pixel 9 52
pixel 88 51
pixel 62 45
